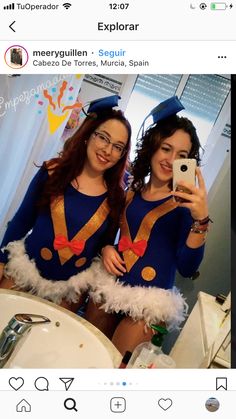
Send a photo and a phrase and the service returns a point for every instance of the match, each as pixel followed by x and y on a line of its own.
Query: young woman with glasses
pixel 70 211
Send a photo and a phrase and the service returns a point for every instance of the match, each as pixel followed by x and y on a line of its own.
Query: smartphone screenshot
pixel 116 287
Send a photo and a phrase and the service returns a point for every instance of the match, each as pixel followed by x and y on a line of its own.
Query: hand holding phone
pixel 185 170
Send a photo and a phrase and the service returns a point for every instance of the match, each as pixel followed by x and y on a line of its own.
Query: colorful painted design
pixel 57 111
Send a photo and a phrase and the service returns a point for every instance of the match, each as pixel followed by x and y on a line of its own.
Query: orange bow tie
pixel 76 246
pixel 138 247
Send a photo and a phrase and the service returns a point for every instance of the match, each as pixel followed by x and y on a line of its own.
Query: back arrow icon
pixel 10 26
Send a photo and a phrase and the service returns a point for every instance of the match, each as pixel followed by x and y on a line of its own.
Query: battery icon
pixel 218 6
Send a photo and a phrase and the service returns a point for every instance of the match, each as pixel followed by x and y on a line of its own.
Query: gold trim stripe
pixel 144 230
pixel 87 231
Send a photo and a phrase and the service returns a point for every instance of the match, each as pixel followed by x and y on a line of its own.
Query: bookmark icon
pixel 67 382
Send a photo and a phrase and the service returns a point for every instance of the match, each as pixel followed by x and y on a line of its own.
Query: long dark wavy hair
pixel 70 163
pixel 151 142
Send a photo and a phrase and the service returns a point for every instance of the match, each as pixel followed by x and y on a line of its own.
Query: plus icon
pixel 118 404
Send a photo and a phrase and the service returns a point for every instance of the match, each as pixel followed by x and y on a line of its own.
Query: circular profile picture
pixel 16 56
pixel 212 404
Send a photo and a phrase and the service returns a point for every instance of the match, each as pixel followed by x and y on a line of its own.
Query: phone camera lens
pixel 184 168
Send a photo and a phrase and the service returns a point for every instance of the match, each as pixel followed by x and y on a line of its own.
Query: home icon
pixel 23 406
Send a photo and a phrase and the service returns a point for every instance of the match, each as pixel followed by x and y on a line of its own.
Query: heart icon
pixel 165 403
pixel 16 383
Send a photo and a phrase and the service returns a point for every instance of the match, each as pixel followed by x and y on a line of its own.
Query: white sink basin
pixel 68 341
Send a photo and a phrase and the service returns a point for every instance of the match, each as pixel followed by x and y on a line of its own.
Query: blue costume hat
pixel 103 104
pixel 165 109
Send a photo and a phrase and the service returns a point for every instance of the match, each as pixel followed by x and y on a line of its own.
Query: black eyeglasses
pixel 117 149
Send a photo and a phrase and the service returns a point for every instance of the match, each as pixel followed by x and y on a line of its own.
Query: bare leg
pixel 73 306
pixel 7 283
pixel 129 334
pixel 106 322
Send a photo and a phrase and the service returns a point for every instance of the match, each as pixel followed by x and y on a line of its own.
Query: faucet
pixel 18 327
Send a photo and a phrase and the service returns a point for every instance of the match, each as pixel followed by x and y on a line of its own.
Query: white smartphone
pixel 183 169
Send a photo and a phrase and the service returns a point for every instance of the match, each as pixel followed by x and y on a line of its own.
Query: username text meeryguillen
pixel 73 52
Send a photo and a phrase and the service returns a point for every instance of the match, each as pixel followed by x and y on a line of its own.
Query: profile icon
pixel 212 404
pixel 16 57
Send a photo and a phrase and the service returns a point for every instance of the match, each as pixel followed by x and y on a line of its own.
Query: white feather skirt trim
pixel 152 304
pixel 27 277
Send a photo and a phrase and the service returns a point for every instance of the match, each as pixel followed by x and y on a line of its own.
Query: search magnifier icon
pixel 70 404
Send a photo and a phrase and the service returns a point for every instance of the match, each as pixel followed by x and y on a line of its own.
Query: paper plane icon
pixel 67 382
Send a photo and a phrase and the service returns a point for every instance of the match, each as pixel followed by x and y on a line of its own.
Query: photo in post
pixel 84 157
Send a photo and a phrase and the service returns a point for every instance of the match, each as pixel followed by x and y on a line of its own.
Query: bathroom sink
pixel 68 341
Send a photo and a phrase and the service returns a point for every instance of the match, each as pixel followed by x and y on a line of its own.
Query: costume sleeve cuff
pixel 189 260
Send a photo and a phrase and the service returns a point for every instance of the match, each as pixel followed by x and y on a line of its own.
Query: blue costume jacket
pixel 63 239
pixel 153 243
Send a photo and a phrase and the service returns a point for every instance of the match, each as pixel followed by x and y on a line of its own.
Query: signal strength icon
pixel 10 6
pixel 67 5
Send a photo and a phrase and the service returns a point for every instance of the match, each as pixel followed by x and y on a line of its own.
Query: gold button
pixel 148 273
pixel 46 253
pixel 80 262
